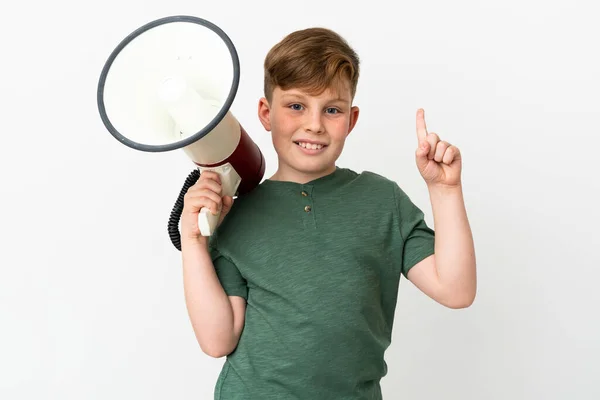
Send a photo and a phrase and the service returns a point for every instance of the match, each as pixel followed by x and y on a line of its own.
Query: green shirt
pixel 319 265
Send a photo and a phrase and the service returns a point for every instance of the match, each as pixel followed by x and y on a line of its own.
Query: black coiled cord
pixel 173 225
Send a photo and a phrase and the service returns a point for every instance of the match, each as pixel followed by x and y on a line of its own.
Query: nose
pixel 313 122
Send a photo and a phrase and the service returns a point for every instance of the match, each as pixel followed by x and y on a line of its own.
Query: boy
pixel 298 285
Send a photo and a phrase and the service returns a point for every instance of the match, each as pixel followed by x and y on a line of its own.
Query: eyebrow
pixel 300 96
pixel 342 99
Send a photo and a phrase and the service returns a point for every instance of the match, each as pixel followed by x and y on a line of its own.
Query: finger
pixel 208 174
pixel 227 203
pixel 194 205
pixel 200 198
pixel 421 155
pixel 440 150
pixel 421 127
pixel 212 206
pixel 452 154
pixel 208 183
pixel 209 194
pixel 432 139
pixel 423 150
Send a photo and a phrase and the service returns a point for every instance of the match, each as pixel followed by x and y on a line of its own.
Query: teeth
pixel 311 146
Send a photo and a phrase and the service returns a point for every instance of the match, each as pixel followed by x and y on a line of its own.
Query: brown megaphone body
pixel 170 85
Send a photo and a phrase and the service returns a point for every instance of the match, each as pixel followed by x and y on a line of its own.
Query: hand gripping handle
pixel 230 180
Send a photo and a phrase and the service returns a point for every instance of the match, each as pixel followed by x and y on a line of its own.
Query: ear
pixel 354 111
pixel 264 113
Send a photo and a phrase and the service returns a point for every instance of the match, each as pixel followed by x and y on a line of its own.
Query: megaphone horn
pixel 170 85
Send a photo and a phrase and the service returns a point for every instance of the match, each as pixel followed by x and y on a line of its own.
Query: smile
pixel 310 146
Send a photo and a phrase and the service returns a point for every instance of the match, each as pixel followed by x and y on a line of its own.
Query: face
pixel 308 132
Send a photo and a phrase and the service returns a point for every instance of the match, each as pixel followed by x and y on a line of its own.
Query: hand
pixel 438 161
pixel 206 192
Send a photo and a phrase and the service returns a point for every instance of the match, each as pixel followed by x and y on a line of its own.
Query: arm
pixel 448 276
pixel 217 319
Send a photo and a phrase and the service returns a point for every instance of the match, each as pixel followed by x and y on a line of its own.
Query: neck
pixel 284 174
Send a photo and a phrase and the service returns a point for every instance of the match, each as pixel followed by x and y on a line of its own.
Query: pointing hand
pixel 438 161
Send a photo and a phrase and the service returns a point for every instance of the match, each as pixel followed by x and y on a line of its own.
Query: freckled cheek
pixel 281 136
pixel 337 129
pixel 284 129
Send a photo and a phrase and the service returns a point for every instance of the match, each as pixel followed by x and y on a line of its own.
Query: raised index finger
pixel 421 127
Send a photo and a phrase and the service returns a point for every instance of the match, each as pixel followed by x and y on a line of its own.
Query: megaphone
pixel 170 85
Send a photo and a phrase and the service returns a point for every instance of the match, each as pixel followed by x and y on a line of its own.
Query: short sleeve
pixel 418 238
pixel 232 281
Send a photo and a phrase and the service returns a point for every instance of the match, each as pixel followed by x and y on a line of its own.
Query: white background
pixel 91 299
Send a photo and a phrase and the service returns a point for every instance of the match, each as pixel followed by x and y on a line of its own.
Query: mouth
pixel 311 146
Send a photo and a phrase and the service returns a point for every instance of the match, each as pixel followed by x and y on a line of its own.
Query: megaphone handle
pixel 230 180
pixel 207 221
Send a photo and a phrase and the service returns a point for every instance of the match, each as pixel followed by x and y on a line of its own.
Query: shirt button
pixel 304 193
pixel 307 208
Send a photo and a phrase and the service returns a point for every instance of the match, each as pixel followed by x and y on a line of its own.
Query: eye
pixel 296 107
pixel 332 110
